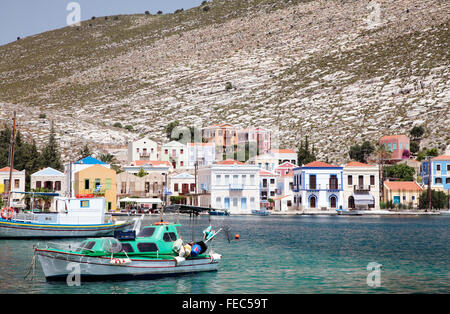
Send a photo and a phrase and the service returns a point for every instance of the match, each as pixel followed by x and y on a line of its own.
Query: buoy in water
pixel 237 236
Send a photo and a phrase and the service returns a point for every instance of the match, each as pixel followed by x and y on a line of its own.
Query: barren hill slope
pixel 312 68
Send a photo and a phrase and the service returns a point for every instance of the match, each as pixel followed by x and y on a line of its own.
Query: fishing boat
pixel 261 212
pixel 153 251
pixel 217 212
pixel 74 217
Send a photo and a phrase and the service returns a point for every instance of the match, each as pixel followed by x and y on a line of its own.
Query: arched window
pixel 351 202
pixel 333 201
pixel 312 202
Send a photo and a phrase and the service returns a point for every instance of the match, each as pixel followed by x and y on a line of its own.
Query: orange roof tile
pixel 357 164
pixel 319 164
pixel 201 144
pixel 442 157
pixel 283 151
pixel 393 137
pixel 267 173
pixel 230 162
pixel 287 165
pixel 403 185
pixel 6 169
pixel 150 162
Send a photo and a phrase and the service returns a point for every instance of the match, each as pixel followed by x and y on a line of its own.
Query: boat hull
pixel 60 265
pixel 18 229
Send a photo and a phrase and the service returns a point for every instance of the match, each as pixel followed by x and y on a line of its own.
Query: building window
pixel 349 180
pixel 57 185
pixel 235 201
pixel 372 180
pixel 16 183
pixel 108 183
pixel 181 151
pixel 413 198
pixel 123 189
pixel 312 181
pixel 272 181
pixel 447 181
pixel 448 167
pixel 166 151
pixel 438 181
pixel 218 177
pixel 175 187
pixel 84 204
pixel 394 146
pixel 192 187
pixel 38 184
pixel 86 184
pixel 218 202
pixel 181 163
pixel 438 167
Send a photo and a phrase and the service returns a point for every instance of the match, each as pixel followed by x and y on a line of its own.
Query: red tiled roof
pixel 357 164
pixel 267 173
pixel 442 157
pixel 230 162
pixel 6 169
pixel 150 162
pixel 403 185
pixel 201 144
pixel 392 137
pixel 283 151
pixel 319 164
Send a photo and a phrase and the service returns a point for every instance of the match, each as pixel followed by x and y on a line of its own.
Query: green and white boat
pixel 156 250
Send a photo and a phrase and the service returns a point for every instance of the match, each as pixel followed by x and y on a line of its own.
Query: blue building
pixel 440 173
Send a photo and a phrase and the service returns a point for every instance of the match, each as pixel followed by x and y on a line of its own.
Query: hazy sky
pixel 21 18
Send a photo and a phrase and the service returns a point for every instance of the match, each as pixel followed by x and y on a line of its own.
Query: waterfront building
pixel 148 186
pixel 285 185
pixel 361 186
pixel 17 185
pixel 182 184
pixel 142 149
pixel 406 193
pixel 97 180
pixel 149 166
pixel 231 185
pixel 268 187
pixel 71 168
pixel 318 186
pixel 204 154
pixel 396 145
pixel 176 154
pixel 258 136
pixel 440 173
pixel 50 179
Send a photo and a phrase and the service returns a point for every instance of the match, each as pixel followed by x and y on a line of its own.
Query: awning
pixel 364 199
pixel 141 200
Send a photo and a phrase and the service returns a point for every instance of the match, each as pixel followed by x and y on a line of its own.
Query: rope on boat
pixel 32 268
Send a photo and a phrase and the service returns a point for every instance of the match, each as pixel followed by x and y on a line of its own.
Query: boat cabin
pixel 151 240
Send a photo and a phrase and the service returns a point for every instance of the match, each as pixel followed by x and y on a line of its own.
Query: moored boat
pixel 74 217
pixel 157 250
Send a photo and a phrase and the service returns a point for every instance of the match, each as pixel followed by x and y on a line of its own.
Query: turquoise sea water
pixel 280 255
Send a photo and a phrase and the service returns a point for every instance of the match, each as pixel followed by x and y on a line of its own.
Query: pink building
pixel 396 144
pixel 257 135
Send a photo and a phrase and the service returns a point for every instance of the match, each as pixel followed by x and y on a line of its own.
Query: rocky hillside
pixel 316 68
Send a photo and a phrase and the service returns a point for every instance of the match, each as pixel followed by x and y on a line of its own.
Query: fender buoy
pixel 237 236
pixel 161 223
pixel 7 213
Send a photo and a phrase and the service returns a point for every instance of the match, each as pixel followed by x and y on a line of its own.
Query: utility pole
pixel 195 183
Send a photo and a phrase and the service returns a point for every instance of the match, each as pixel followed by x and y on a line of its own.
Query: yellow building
pixel 406 193
pixel 97 180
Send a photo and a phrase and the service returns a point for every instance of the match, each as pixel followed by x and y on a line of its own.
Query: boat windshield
pixel 146 232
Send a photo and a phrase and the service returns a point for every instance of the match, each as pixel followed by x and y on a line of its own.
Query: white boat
pixel 74 217
pixel 445 212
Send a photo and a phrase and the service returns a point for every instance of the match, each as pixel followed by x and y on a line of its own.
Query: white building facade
pixel 318 187
pixel 202 153
pixel 176 154
pixel 230 185
pixel 361 186
pixel 143 149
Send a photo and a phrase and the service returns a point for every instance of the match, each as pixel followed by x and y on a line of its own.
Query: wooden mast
pixel 11 156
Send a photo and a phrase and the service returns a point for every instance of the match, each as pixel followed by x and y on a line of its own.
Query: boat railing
pixel 65 246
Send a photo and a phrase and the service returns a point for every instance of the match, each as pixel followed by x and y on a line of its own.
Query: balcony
pixel 321 187
pixel 361 188
pixel 236 187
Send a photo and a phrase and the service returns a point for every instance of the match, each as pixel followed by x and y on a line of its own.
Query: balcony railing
pixel 319 187
pixel 236 186
pixel 361 188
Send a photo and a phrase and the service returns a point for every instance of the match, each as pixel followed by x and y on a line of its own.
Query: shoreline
pixel 313 213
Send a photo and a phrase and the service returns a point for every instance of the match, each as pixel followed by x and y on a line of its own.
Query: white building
pixel 181 184
pixel 285 155
pixel 143 149
pixel 361 186
pixel 50 179
pixel 285 185
pixel 318 187
pixel 231 185
pixel 203 153
pixel 17 185
pixel 268 186
pixel 266 161
pixel 176 154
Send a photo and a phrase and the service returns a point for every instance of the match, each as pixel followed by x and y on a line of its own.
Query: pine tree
pixel 51 156
pixel 305 156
